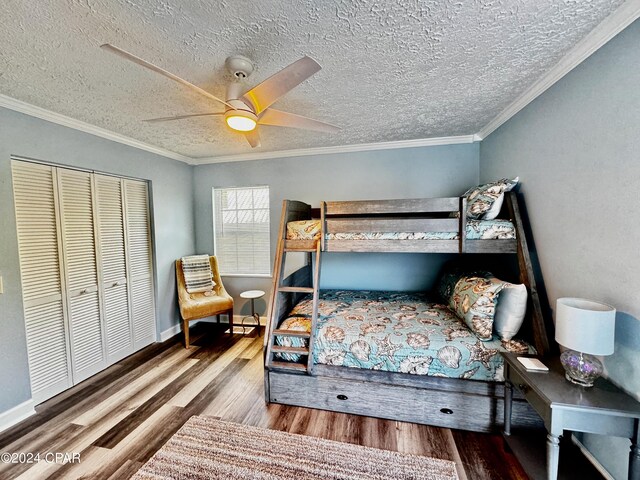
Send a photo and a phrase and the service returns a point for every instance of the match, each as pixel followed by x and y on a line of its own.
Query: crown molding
pixel 48 115
pixel 605 31
pixel 361 147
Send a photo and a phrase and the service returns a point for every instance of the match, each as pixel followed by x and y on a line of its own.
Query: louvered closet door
pixel 113 271
pixel 81 272
pixel 138 242
pixel 34 189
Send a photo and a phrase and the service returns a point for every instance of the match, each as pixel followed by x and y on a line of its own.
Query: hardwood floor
pixel 117 419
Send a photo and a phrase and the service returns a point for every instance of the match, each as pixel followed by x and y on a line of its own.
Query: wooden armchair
pixel 194 306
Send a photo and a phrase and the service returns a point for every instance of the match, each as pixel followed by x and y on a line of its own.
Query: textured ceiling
pixel 392 69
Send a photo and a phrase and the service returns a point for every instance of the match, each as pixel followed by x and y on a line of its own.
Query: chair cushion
pixel 198 305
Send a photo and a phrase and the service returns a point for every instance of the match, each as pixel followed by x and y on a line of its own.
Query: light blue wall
pixel 384 174
pixel 576 150
pixel 171 187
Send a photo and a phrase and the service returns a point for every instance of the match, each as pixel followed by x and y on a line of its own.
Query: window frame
pixel 215 242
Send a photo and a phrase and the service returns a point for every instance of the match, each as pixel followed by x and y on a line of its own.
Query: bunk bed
pixel 301 371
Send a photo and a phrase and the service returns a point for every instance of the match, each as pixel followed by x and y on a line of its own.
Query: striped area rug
pixel 208 448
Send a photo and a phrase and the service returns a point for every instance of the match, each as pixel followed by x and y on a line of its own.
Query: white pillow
pixel 510 311
pixel 494 211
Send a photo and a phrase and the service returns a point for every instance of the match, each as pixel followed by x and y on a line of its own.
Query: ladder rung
pixel 292 333
pixel 296 289
pixel 298 367
pixel 301 245
pixel 283 349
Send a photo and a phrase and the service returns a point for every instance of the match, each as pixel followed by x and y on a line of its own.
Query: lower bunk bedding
pixel 396 332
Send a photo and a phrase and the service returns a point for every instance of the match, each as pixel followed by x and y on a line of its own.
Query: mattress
pixel 476 230
pixel 396 332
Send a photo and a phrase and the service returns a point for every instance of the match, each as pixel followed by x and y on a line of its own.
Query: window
pixel 241 230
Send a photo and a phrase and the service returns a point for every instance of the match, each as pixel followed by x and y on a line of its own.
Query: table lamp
pixel 586 329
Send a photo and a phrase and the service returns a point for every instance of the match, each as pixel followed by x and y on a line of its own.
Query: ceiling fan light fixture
pixel 241 121
pixel 242 124
pixel 244 109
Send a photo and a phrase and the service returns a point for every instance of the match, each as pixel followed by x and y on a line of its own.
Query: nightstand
pixel 602 409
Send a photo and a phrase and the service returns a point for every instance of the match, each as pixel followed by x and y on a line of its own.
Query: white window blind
pixel 241 230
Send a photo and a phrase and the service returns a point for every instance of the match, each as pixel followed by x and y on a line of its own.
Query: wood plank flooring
pixel 119 418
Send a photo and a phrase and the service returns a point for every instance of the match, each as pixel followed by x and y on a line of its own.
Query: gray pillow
pixel 510 310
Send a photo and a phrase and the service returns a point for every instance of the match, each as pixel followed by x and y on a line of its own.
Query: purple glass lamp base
pixel 580 368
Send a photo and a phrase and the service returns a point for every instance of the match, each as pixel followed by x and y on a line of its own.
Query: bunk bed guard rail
pixel 393 216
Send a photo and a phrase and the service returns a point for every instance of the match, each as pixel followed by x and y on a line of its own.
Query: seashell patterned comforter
pixel 397 332
pixel 498 229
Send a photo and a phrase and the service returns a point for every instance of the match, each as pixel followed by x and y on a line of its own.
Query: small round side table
pixel 252 295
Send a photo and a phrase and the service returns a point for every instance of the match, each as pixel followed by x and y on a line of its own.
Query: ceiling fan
pixel 245 110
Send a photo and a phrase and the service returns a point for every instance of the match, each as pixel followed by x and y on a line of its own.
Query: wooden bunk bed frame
pixel 454 403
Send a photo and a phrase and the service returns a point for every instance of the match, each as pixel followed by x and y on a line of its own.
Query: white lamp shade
pixel 585 326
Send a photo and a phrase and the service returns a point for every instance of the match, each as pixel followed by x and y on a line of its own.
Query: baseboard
pixel 592 459
pixel 170 332
pixel 16 414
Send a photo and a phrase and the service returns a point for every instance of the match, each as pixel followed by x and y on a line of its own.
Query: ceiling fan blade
pixel 253 137
pixel 181 117
pixel 279 118
pixel 264 94
pixel 154 68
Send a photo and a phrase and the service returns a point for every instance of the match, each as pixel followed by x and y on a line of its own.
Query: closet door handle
pixel 83 291
pixel 116 284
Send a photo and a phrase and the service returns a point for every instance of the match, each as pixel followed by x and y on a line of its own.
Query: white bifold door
pixel 118 327
pixel 35 199
pixel 86 267
pixel 80 268
pixel 139 260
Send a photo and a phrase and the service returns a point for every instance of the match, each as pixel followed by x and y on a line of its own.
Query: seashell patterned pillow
pixel 485 201
pixel 485 303
pixel 304 230
pixel 474 301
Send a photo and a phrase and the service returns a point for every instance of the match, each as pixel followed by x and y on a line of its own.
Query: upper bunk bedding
pixel 396 332
pixel 419 225
pixel 500 229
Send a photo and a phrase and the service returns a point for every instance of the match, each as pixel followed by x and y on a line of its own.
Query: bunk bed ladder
pixel 278 298
pixel 314 310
